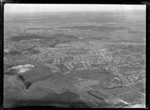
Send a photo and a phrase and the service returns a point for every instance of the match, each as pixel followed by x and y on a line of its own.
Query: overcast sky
pixel 23 8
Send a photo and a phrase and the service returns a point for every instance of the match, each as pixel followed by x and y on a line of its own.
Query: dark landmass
pixel 56 37
pixel 67 99
pixel 98 28
pixel 13 52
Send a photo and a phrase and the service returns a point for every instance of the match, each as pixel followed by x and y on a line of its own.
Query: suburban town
pixel 79 58
pixel 89 59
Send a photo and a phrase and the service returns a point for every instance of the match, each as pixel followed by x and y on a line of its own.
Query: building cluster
pixel 113 83
pixel 82 56
pixel 84 59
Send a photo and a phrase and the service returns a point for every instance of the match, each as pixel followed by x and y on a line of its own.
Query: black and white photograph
pixel 74 55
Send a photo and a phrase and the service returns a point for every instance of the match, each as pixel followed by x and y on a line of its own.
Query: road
pixel 127 84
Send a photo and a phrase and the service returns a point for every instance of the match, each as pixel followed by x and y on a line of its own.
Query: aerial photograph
pixel 74 56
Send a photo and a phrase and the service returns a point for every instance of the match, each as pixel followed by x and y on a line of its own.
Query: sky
pixel 25 8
